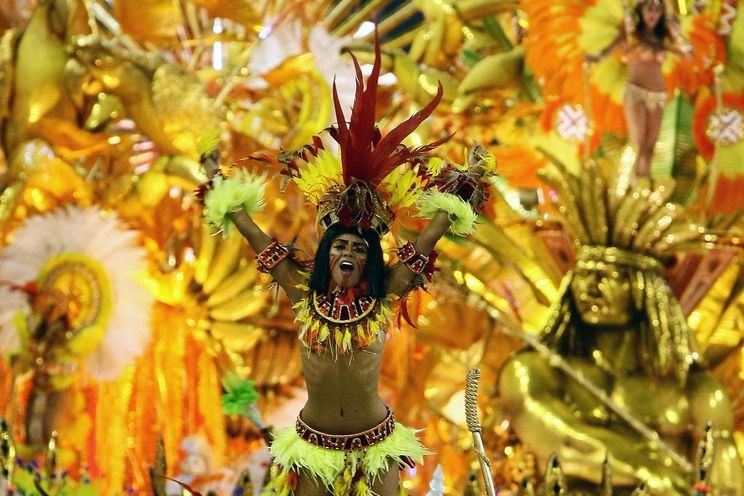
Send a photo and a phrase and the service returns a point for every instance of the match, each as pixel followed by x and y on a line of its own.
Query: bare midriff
pixel 644 69
pixel 342 390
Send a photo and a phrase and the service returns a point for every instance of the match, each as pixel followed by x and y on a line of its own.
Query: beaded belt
pixel 345 442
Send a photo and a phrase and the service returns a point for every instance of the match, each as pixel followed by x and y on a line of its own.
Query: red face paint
pixel 347 259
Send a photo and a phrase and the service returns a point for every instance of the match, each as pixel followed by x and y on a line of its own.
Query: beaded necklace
pixel 341 321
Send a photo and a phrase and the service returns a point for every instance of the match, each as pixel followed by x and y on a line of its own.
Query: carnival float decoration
pixel 103 104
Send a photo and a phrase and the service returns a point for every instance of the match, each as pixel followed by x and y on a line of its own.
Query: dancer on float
pixel 649 35
pixel 346 440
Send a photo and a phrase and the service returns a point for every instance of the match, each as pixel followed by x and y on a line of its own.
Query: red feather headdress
pixel 366 157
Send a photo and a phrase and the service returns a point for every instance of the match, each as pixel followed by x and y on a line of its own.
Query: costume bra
pixel 644 53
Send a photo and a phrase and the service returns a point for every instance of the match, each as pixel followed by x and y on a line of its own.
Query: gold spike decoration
pixel 555 481
pixel 605 485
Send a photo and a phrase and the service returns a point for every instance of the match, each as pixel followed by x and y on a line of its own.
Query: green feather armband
pixel 460 212
pixel 226 195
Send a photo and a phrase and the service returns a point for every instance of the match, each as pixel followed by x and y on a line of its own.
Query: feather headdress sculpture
pixel 83 269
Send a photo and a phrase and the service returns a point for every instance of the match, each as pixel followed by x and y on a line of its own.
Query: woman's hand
pixel 211 163
pixel 674 26
pixel 478 161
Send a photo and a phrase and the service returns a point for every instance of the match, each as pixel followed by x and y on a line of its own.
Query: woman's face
pixel 347 259
pixel 651 13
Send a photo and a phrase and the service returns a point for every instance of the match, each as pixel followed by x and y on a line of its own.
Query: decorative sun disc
pixel 87 268
pixel 82 283
pixel 726 126
pixel 572 123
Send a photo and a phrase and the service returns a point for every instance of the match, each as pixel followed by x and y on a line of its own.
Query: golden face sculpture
pixel 602 295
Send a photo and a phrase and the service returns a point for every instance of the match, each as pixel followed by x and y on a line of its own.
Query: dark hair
pixel 374 269
pixel 660 30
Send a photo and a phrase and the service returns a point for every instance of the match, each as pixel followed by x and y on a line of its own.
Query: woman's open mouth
pixel 346 266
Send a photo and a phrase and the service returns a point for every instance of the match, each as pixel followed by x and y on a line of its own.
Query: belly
pixel 646 74
pixel 343 392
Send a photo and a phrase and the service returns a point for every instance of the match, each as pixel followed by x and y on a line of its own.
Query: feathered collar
pixel 341 321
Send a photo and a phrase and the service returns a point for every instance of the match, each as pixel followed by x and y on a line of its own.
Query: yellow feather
pixel 208 141
pixel 315 178
pixel 346 344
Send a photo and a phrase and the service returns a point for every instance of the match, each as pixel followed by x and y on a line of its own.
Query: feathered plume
pixel 365 154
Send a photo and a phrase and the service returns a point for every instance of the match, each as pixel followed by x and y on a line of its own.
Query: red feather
pixel 365 155
pixel 193 491
pixel 386 157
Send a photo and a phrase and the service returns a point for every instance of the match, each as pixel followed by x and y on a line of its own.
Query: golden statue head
pixel 624 234
pixel 601 293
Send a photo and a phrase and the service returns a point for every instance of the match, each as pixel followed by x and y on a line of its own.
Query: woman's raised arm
pixel 414 256
pixel 271 256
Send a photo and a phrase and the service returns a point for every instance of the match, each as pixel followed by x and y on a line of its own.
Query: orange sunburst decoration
pixel 576 123
pixel 578 103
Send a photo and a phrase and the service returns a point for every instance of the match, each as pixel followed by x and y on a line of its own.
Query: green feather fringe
pixel 460 212
pixel 241 191
pixel 329 467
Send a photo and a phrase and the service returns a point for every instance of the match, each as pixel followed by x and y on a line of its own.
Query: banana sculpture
pixel 32 65
pixel 168 103
pixel 237 311
pixel 229 284
pixel 297 106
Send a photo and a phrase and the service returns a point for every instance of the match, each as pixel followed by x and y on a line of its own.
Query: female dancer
pixel 649 35
pixel 346 440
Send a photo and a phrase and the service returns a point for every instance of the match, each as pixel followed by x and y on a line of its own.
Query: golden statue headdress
pixel 619 225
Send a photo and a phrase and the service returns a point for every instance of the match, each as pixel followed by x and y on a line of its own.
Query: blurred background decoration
pixel 102 105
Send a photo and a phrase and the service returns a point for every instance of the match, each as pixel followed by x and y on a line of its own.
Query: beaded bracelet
pixel 271 256
pixel 415 261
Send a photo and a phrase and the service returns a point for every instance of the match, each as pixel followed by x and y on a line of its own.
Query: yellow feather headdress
pixel 355 187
